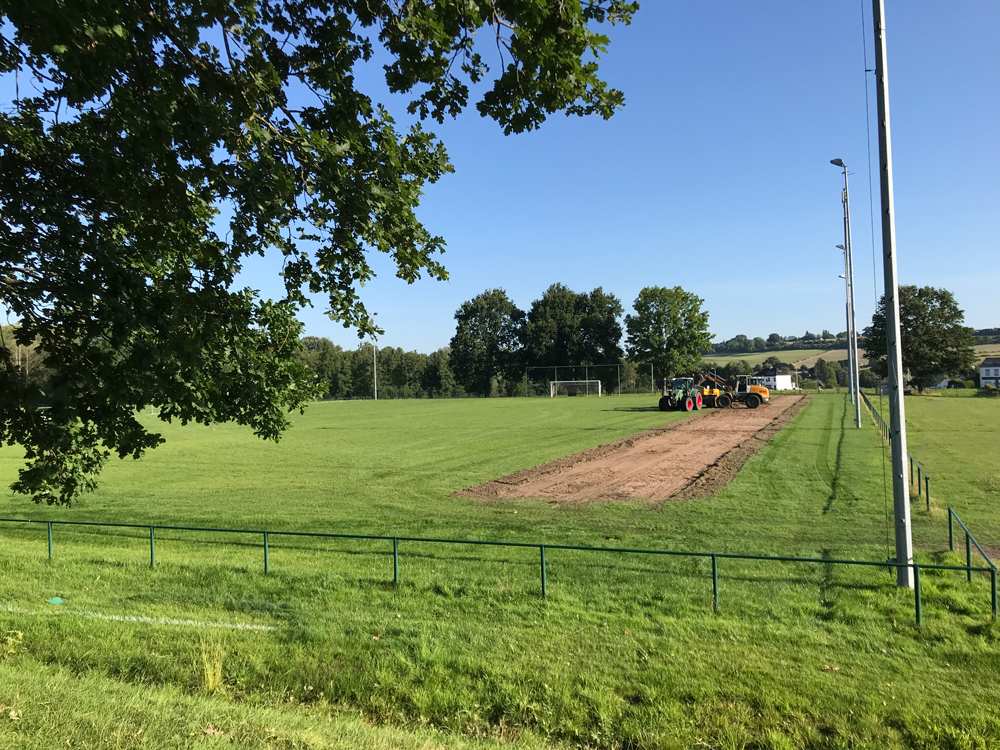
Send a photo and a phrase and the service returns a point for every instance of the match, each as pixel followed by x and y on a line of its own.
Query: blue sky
pixel 716 175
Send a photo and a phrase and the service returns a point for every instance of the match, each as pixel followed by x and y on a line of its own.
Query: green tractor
pixel 680 394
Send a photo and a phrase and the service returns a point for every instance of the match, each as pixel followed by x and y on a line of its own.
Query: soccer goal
pixel 574 388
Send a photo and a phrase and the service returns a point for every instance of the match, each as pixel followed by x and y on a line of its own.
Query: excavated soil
pixel 694 457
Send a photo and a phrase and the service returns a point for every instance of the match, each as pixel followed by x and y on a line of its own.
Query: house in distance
pixel 989 372
pixel 777 380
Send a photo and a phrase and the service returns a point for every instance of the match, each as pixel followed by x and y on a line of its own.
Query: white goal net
pixel 574 388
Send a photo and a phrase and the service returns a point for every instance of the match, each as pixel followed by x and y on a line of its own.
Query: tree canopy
pixel 935 343
pixel 669 329
pixel 488 343
pixel 568 328
pixel 152 146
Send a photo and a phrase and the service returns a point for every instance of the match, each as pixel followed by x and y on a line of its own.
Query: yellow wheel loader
pixel 749 391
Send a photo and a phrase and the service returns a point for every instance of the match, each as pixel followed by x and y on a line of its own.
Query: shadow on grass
pixel 654 407
pixel 835 478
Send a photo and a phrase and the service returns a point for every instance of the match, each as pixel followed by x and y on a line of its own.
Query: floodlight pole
pixel 375 367
pixel 852 332
pixel 894 355
pixel 852 325
pixel 847 320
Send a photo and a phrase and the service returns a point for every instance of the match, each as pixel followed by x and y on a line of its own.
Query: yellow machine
pixel 714 391
pixel 750 391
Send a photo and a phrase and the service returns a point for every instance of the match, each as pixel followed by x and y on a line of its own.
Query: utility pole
pixel 852 332
pixel 852 323
pixel 897 413
pixel 375 367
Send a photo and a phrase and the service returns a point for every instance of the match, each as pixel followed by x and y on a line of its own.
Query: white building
pixel 989 372
pixel 777 380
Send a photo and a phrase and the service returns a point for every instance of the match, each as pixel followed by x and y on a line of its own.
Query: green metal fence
pixel 715 557
pixel 923 480
pixel 969 541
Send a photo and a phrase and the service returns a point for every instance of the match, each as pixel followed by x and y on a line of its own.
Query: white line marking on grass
pixel 140 619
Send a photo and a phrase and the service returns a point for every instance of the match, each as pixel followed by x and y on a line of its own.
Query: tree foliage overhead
pixel 153 145
pixel 669 329
pixel 935 343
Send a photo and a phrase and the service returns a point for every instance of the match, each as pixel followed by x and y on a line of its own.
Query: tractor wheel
pixel 664 404
pixel 688 403
pixel 752 401
pixel 723 401
pixel 698 403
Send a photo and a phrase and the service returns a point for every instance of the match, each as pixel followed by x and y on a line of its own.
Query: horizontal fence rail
pixel 923 480
pixel 715 557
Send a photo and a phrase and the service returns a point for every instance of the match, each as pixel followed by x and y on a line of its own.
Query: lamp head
pixel 837 162
pixel 840 247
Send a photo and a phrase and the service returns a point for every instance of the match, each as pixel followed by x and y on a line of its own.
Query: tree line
pixel 495 342
pixel 742 344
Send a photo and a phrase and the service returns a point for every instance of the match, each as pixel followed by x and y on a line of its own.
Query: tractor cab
pixel 750 390
pixel 680 394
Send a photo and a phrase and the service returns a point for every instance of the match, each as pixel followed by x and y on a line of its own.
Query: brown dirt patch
pixel 691 458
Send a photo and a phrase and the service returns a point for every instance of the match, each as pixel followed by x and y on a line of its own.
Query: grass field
pixel 625 652
pixel 792 356
pixel 955 440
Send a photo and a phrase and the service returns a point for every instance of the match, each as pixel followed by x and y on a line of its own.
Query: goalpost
pixel 574 388
pixel 619 377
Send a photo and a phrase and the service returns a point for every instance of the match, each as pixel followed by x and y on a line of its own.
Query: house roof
pixel 772 372
pixel 991 362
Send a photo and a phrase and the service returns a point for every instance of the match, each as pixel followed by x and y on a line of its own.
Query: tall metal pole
pixel 852 331
pixel 847 310
pixel 375 367
pixel 897 413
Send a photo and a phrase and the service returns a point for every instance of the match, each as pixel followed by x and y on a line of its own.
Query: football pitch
pixel 326 652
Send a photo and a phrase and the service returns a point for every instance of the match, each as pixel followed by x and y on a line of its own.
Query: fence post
pixel 993 590
pixel 927 490
pixel 395 560
pixel 919 483
pixel 968 557
pixel 541 549
pixel 50 539
pixel 911 470
pixel 152 548
pixel 916 593
pixel 715 584
pixel 267 561
pixel 951 530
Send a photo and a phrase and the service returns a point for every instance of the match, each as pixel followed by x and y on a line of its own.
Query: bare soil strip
pixel 692 458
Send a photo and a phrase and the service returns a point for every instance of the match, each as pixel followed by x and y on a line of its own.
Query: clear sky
pixel 716 175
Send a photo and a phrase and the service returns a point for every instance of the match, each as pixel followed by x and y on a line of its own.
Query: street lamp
pixel 852 329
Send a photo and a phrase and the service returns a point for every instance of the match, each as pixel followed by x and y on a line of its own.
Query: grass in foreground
pixel 624 653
